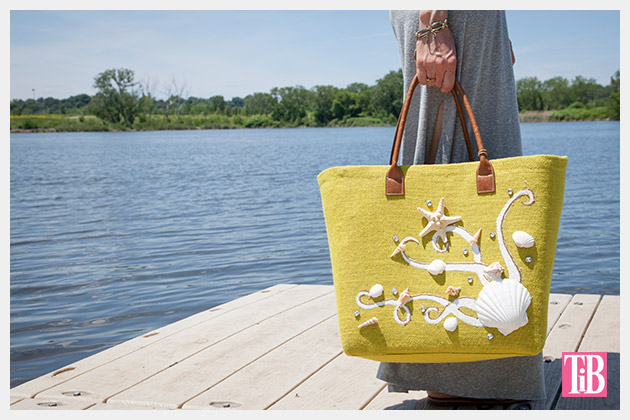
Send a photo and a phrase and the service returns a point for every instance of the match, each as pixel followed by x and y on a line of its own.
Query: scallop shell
pixel 403 297
pixel 523 239
pixel 436 267
pixel 376 291
pixel 369 322
pixel 450 324
pixel 503 305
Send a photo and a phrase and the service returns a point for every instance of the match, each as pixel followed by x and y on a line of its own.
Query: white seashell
pixel 403 297
pixel 476 237
pixel 376 291
pixel 369 322
pixel 436 267
pixel 503 305
pixel 495 270
pixel 450 324
pixel 523 239
pixel 400 248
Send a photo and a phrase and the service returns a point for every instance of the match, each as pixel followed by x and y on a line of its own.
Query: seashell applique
pixel 523 239
pixel 376 291
pixel 369 322
pixel 453 291
pixel 403 297
pixel 400 248
pixel 450 324
pixel 503 305
pixel 476 237
pixel 436 267
pixel 494 270
pixel 438 221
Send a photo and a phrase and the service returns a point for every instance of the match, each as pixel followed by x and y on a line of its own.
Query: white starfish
pixel 438 221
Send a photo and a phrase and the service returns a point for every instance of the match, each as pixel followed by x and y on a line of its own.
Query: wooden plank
pixel 571 326
pixel 386 400
pixel 31 388
pixel 13 400
pixel 51 405
pixel 603 331
pixel 565 336
pixel 557 304
pixel 611 402
pixel 111 378
pixel 345 383
pixel 602 335
pixel 264 338
pixel 280 371
pixel 187 379
pixel 114 406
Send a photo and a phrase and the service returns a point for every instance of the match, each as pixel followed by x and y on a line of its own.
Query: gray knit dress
pixel 484 69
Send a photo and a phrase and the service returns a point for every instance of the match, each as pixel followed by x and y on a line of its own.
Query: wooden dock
pixel 279 348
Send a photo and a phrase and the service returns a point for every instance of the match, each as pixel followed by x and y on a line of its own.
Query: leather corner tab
pixel 485 184
pixel 394 186
pixel 485 177
pixel 394 181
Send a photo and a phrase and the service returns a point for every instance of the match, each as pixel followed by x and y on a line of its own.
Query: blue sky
pixel 235 53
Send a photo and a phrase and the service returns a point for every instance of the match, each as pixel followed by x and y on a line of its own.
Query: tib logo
pixel 584 375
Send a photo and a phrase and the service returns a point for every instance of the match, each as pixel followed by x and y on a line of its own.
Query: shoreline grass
pixel 57 123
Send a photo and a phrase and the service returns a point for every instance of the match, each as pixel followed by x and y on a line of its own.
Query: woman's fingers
pixel 449 81
pixel 436 60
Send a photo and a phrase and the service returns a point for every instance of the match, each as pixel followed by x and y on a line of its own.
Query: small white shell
pixel 436 267
pixel 523 239
pixel 476 237
pixel 494 270
pixel 403 297
pixel 450 324
pixel 503 305
pixel 369 322
pixel 376 291
pixel 400 248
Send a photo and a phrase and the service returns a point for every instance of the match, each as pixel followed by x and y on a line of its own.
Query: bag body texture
pixel 365 228
pixel 443 263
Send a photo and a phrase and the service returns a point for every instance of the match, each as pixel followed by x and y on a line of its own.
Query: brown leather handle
pixel 394 179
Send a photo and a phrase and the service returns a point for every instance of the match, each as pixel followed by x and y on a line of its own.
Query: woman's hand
pixel 435 56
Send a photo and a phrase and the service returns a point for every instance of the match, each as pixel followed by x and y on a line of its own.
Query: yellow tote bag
pixel 443 263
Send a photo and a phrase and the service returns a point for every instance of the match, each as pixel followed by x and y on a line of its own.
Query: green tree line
pixel 580 98
pixel 122 102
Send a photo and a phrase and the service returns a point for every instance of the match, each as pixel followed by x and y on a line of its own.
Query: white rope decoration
pixel 476 267
pixel 450 308
pixel 513 270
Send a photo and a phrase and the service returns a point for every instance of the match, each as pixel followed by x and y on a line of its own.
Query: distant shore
pixel 78 123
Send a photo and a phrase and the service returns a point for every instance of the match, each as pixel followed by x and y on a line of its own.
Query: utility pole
pixel 33 93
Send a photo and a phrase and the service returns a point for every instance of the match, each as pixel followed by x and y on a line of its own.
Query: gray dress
pixel 484 68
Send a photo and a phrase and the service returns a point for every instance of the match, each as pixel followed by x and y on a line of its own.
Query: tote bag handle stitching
pixel 394 179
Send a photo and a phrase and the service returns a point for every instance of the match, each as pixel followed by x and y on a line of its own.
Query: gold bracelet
pixel 433 29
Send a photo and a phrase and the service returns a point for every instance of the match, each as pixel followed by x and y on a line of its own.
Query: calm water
pixel 116 234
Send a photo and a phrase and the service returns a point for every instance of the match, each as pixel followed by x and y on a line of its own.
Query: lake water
pixel 116 234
